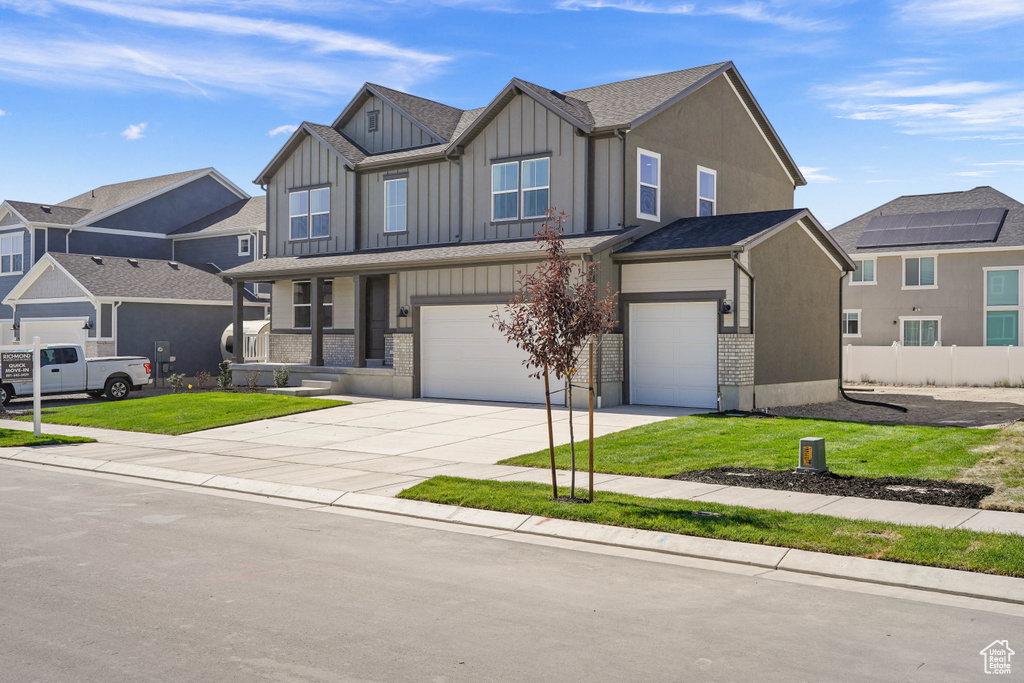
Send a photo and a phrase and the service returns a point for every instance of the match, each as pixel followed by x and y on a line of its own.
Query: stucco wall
pixel 959 299
pixel 796 310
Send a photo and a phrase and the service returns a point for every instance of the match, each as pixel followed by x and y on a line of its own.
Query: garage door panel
pixel 53 331
pixel 674 354
pixel 463 356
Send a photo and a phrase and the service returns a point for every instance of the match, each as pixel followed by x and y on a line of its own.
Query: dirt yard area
pixel 940 406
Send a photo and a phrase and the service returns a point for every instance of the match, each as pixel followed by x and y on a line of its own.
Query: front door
pixel 376 316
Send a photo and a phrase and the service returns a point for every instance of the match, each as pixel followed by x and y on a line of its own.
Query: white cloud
pixel 888 88
pixel 974 174
pixel 963 13
pixel 815 175
pixel 1001 163
pixel 134 131
pixel 3 113
pixel 286 129
pixel 881 180
pixel 758 12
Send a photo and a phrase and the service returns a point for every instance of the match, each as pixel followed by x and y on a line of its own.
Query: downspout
pixel 841 391
pixel 737 296
pixel 459 153
pixel 622 136
pixel 113 326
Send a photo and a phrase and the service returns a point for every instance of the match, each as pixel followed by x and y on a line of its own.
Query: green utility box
pixel 812 456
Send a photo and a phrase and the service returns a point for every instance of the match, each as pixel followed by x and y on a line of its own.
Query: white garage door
pixel 462 356
pixel 53 331
pixel 673 354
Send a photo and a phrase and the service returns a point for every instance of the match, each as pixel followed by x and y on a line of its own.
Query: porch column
pixel 359 331
pixel 316 325
pixel 239 330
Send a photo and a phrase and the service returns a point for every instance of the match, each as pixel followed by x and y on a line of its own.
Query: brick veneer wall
pixel 99 349
pixel 736 359
pixel 290 348
pixel 401 354
pixel 339 349
pixel 389 350
pixel 609 361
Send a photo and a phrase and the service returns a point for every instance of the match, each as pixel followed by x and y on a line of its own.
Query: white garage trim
pixel 54 330
pixel 462 356
pixel 673 354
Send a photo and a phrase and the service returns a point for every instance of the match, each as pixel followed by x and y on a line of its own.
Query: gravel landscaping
pixel 927 491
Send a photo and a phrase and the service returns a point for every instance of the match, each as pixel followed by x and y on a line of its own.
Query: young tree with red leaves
pixel 554 318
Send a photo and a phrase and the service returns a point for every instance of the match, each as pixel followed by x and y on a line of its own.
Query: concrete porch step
pixel 318 383
pixel 299 391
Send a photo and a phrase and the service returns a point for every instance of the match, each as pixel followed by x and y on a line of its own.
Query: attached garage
pixel 55 330
pixel 673 354
pixel 463 356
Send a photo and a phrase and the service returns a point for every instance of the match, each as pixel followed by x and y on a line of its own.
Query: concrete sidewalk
pixel 383 446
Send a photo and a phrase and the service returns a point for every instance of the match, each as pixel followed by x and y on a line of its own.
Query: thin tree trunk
pixel 572 439
pixel 591 388
pixel 551 434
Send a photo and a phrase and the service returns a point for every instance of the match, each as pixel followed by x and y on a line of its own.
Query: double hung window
pixel 302 304
pixel 648 185
pixel 245 245
pixel 520 189
pixel 310 213
pixel 11 249
pixel 851 323
pixel 395 206
pixel 707 192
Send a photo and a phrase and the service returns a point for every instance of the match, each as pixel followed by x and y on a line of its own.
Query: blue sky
pixel 873 99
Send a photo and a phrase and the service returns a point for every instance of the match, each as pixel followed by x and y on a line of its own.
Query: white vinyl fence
pixel 257 347
pixel 939 365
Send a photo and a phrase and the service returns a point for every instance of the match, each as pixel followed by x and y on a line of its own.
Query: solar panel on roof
pixel 942 227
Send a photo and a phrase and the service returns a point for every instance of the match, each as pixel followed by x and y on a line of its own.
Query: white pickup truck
pixel 64 369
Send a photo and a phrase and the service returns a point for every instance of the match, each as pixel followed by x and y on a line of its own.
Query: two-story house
pixel 396 231
pixel 944 268
pixel 122 266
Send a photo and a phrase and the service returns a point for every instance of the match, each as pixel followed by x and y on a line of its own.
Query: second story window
pixel 11 249
pixel 865 273
pixel 919 271
pixel 512 199
pixel 648 185
pixel 310 213
pixel 707 192
pixel 395 206
pixel 245 245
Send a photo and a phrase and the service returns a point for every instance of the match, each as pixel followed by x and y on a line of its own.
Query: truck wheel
pixel 117 388
pixel 6 393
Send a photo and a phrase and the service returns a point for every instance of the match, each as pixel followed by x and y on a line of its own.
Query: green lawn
pixel 182 413
pixel 16 437
pixel 702 441
pixel 950 548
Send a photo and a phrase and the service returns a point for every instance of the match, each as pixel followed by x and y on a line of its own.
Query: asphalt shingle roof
pixel 440 118
pixel 108 197
pixel 340 142
pixel 246 213
pixel 296 265
pixel 116 276
pixel 45 213
pixel 710 231
pixel 1011 234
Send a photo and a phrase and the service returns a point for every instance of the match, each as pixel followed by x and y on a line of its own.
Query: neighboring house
pixel 932 269
pixel 394 232
pixel 195 217
pixel 113 305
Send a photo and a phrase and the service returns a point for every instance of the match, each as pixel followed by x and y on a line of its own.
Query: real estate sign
pixel 16 366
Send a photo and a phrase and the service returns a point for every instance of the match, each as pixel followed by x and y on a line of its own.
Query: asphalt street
pixel 104 580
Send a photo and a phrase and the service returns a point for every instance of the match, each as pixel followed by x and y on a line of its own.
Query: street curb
pixel 933 579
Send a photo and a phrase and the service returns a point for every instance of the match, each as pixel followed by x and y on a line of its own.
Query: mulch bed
pixel 927 491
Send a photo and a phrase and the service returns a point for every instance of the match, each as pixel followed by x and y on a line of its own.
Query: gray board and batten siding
pixel 394 131
pixel 171 210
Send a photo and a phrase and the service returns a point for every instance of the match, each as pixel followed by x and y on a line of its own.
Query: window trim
pixel 312 294
pixel 938 328
pixel 15 239
pixel 874 272
pixel 860 321
pixel 396 179
pixel 520 192
pixel 523 190
pixel 903 270
pixel 986 308
pixel 309 213
pixel 247 240
pixel 714 200
pixel 640 153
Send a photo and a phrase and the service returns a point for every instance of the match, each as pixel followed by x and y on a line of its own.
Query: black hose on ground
pixel 842 392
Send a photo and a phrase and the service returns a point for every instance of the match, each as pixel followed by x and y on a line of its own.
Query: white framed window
pixel 707 192
pixel 245 245
pixel 302 304
pixel 920 272
pixel 851 323
pixel 309 212
pixel 395 207
pixel 505 191
pixel 648 185
pixel 920 330
pixel 536 185
pixel 1003 305
pixel 865 272
pixel 11 253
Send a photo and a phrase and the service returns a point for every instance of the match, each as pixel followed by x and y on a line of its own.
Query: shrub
pixel 176 381
pixel 252 378
pixel 202 379
pixel 224 378
pixel 281 376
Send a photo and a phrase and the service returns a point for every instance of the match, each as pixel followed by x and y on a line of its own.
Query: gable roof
pixel 728 232
pixel 984 197
pixel 47 213
pixel 243 214
pixel 621 105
